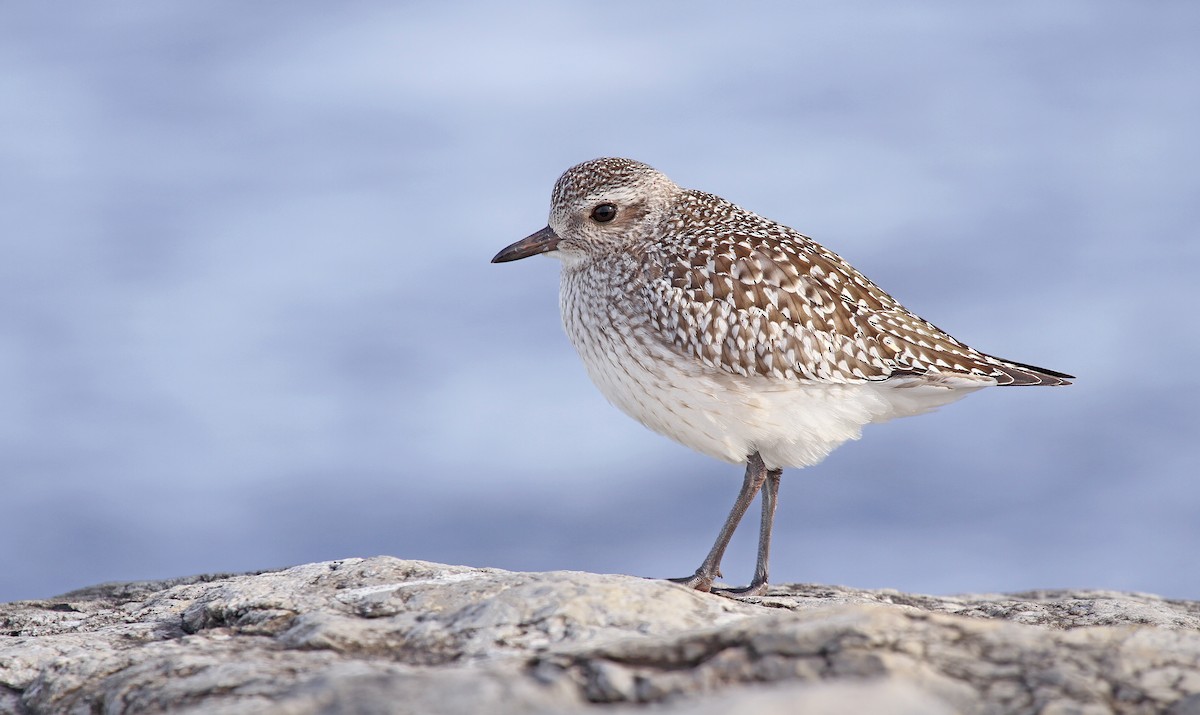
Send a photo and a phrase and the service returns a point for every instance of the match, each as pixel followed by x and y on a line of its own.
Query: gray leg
pixel 770 496
pixel 756 475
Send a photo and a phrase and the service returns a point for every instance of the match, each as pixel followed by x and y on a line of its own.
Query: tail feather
pixel 1019 374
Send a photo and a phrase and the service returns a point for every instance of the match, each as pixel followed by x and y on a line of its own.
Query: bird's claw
pixel 703 582
pixel 697 581
pixel 751 590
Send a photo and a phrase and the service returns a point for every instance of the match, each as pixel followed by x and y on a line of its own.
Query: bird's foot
pixel 703 582
pixel 699 581
pixel 754 589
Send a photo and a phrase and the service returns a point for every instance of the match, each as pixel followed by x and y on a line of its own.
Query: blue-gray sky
pixel 249 320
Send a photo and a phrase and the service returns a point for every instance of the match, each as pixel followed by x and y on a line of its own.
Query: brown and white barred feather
pixel 753 297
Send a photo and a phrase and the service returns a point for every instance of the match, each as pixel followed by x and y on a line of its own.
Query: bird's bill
pixel 541 242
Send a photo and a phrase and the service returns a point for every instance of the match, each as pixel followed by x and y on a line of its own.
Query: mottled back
pixel 753 297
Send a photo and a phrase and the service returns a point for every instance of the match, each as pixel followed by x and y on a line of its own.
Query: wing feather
pixel 757 298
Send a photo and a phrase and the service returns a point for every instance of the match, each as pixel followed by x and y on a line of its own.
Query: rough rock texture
pixel 382 635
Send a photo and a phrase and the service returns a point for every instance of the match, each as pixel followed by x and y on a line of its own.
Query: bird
pixel 738 336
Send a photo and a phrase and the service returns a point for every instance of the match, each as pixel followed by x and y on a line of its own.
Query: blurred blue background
pixel 247 317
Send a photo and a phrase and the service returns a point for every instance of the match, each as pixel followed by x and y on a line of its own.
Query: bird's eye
pixel 604 213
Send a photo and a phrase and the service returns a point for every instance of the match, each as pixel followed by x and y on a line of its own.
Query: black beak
pixel 541 242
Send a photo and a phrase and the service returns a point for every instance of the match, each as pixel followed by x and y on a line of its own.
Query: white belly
pixel 790 423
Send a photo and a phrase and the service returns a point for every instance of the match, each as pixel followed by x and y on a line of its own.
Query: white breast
pixel 790 423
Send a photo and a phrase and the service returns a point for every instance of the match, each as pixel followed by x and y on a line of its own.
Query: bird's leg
pixel 756 474
pixel 770 494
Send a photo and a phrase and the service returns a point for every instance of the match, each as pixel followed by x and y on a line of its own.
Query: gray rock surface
pixel 382 635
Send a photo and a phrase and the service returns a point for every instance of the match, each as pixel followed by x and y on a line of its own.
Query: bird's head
pixel 596 208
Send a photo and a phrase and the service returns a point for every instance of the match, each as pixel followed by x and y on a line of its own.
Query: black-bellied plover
pixel 737 336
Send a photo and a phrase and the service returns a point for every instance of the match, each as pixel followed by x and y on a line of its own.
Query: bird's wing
pixel 772 302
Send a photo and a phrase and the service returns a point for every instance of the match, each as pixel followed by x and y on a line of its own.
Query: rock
pixel 386 635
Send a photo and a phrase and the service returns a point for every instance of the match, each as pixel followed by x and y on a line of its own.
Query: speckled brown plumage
pixel 754 297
